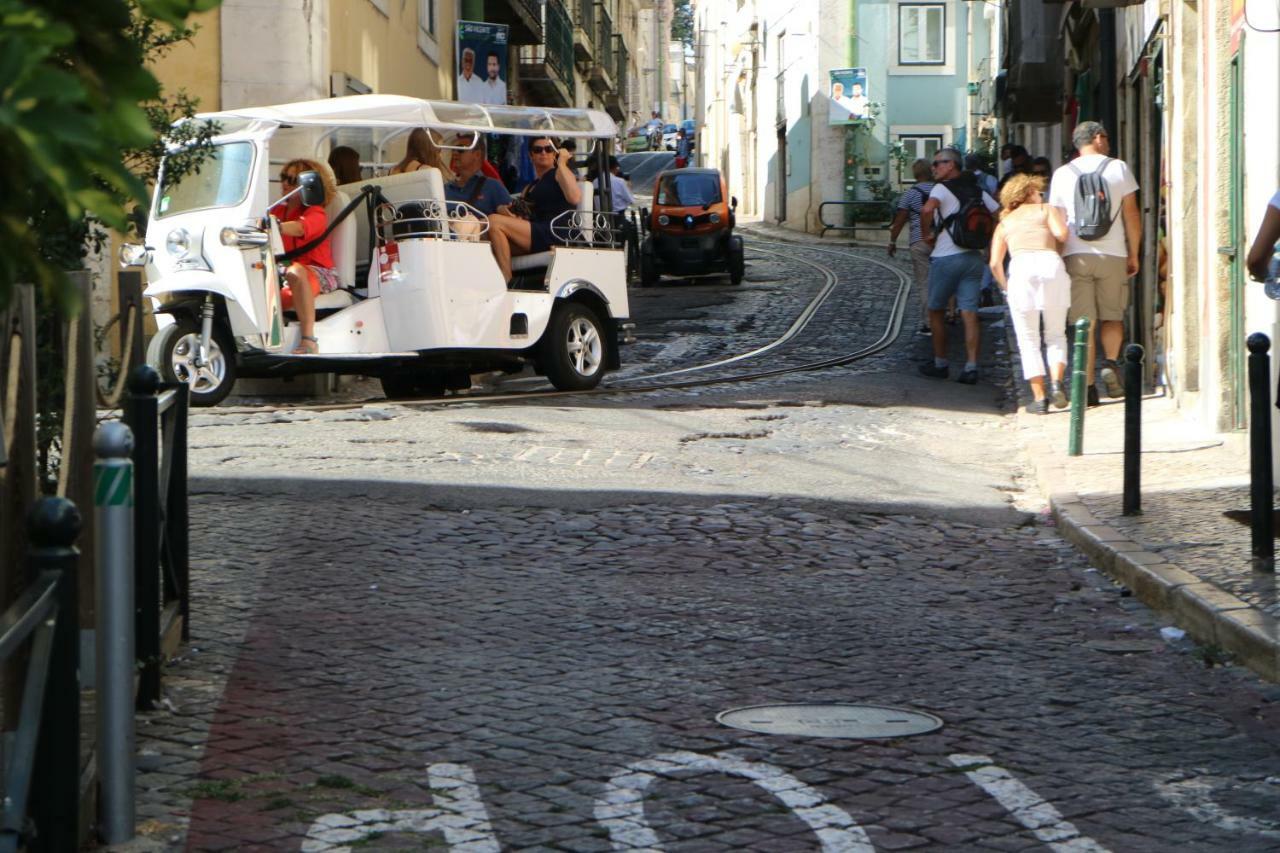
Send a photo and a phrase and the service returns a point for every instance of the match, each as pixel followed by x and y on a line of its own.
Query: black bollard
pixel 141 415
pixel 1260 480
pixel 1133 430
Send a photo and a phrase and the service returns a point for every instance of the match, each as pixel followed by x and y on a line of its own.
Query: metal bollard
pixel 1133 430
pixel 1079 387
pixel 1261 486
pixel 141 413
pixel 53 525
pixel 113 512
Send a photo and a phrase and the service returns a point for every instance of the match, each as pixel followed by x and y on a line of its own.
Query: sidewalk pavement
pixel 1185 555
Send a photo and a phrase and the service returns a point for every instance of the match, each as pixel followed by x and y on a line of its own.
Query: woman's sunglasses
pixel 541 149
pixel 288 179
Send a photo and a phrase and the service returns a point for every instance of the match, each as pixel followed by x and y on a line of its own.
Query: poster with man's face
pixel 482 63
pixel 848 96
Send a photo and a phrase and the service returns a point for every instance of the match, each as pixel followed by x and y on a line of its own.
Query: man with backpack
pixel 907 212
pixel 966 221
pixel 1095 191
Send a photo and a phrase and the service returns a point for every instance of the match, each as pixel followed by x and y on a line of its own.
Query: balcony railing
pixel 621 57
pixel 585 27
pixel 547 68
pixel 604 38
pixel 558 32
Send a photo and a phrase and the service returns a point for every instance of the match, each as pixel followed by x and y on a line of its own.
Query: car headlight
pixel 663 219
pixel 134 255
pixel 714 218
pixel 178 243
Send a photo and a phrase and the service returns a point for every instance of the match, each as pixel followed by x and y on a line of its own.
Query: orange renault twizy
pixel 690 228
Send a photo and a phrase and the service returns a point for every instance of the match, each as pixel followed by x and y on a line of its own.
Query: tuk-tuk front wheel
pixel 173 353
pixel 573 348
pixel 737 260
pixel 648 269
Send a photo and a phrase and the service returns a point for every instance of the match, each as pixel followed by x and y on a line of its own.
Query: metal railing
pixel 604 38
pixel 621 56
pixel 585 17
pixel 43 771
pixel 157 416
pixel 558 38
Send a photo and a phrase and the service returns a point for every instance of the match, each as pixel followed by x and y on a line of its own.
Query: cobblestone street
pixel 512 627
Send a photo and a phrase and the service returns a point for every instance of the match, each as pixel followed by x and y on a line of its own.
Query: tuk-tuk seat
pixel 424 184
pixel 342 243
pixel 522 263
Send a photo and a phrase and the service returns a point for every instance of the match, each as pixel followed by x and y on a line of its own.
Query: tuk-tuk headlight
pixel 714 218
pixel 134 255
pixel 663 219
pixel 178 243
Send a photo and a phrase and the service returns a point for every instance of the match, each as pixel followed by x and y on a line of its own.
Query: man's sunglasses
pixel 541 149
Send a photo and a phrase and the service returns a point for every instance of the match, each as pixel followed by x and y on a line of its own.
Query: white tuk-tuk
pixel 421 302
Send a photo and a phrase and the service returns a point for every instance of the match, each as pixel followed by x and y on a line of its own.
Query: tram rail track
pixel 644 383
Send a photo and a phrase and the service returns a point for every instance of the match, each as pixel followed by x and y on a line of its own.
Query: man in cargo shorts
pixel 1100 269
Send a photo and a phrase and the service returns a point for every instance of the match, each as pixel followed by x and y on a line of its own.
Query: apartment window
pixel 922 31
pixel 916 146
pixel 427 16
pixel 428 41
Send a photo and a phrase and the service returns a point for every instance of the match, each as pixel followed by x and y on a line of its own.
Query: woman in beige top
pixel 421 152
pixel 1031 232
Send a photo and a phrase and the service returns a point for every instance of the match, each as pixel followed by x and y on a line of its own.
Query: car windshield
pixel 689 189
pixel 222 181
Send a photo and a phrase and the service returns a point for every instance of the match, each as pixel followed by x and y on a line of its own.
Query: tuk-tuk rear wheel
pixel 574 348
pixel 175 357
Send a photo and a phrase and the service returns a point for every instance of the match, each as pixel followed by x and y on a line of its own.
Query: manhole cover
pixel 835 721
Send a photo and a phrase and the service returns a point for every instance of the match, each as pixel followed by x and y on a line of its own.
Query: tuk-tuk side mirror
pixel 733 202
pixel 312 188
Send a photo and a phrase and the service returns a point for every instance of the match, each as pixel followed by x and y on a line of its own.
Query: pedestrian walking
pixel 1037 286
pixel 907 212
pixel 684 148
pixel 1095 192
pixel 956 265
pixel 1264 242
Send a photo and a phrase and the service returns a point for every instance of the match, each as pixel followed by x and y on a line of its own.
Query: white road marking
pixel 590 458
pixel 1194 797
pixel 459 814
pixel 1026 806
pixel 620 809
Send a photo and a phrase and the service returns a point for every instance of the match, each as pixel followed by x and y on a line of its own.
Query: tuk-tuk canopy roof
pixel 398 111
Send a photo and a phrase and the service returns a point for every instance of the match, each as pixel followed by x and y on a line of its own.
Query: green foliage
pixel 682 23
pixel 73 90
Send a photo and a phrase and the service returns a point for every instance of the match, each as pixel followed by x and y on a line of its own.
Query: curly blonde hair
pixel 1018 189
pixel 302 164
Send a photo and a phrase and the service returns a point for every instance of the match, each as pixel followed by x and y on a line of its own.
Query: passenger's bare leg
pixel 304 303
pixel 508 235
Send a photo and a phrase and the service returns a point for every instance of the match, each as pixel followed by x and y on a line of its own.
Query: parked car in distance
pixel 690 228
pixel 669 132
pixel 637 139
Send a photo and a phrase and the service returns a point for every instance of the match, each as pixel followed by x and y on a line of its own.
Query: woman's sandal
pixel 307 345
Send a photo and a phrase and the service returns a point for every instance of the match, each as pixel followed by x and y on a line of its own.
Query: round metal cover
pixel 832 721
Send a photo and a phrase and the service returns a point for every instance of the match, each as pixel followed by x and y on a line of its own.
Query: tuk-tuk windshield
pixel 688 189
pixel 222 181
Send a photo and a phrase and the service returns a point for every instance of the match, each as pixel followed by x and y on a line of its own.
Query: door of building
pixel 780 182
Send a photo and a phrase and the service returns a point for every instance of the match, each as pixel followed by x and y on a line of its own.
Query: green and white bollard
pixel 113 516
pixel 1079 387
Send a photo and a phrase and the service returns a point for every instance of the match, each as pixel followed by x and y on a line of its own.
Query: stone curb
pixel 1210 615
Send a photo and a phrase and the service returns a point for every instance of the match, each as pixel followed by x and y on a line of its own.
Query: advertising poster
pixel 847 90
pixel 482 63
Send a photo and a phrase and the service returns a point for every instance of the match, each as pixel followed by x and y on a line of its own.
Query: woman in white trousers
pixel 1037 287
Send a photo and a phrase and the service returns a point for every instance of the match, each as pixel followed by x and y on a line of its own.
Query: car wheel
pixel 173 353
pixel 737 264
pixel 411 385
pixel 573 348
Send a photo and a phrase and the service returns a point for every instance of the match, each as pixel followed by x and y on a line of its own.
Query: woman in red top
pixel 311 273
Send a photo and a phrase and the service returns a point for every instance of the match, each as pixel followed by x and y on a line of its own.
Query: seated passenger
pixel 554 190
pixel 345 162
pixel 311 273
pixel 419 153
pixel 470 184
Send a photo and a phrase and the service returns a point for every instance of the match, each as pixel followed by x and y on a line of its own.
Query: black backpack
pixel 1093 202
pixel 972 225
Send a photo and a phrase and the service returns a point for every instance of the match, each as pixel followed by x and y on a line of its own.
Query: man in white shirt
pixel 856 103
pixel 953 270
pixel 494 88
pixel 1100 269
pixel 470 85
pixel 839 103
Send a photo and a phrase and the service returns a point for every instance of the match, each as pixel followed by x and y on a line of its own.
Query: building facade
pixel 764 79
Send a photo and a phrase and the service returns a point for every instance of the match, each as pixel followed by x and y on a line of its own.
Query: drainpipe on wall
pixel 850 176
